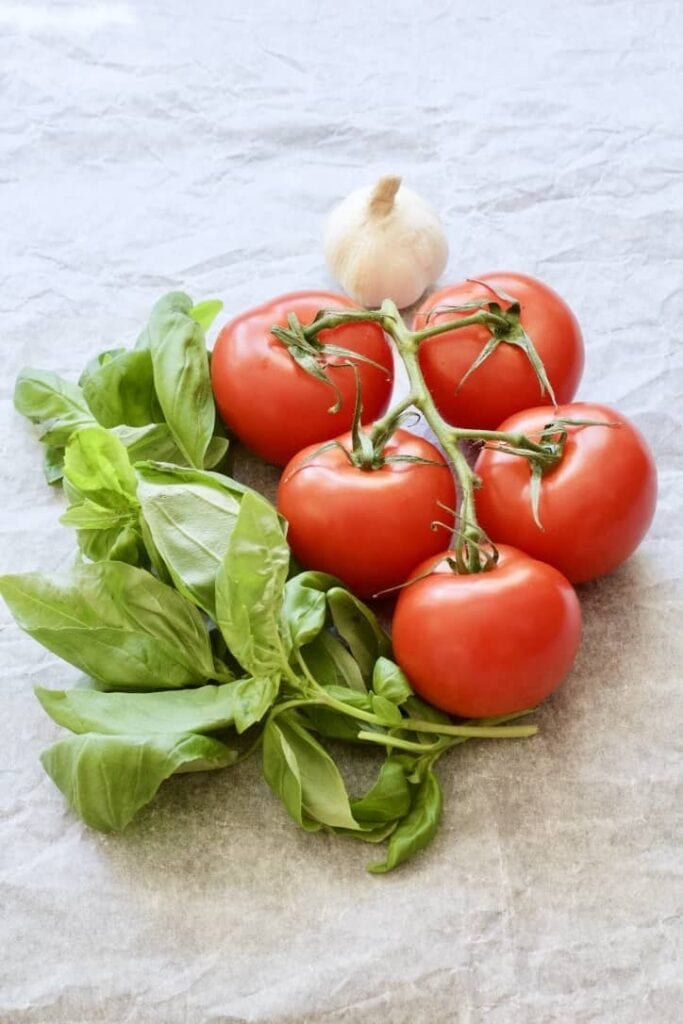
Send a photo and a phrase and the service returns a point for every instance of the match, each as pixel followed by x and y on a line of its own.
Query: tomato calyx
pixel 544 454
pixel 505 326
pixel 314 356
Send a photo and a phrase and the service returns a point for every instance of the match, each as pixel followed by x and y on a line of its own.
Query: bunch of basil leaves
pixel 200 641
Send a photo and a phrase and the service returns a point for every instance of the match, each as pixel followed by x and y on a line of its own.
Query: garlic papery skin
pixel 385 242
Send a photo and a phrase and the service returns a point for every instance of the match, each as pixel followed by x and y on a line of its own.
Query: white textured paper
pixel 150 146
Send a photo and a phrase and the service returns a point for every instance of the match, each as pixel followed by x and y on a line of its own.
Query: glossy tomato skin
pixel 367 527
pixel 595 505
pixel 489 643
pixel 270 402
pixel 506 381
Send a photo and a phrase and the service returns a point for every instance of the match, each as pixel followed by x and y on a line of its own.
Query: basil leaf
pixel 359 627
pixel 205 709
pixel 369 833
pixel 390 682
pixel 119 388
pixel 251 699
pixel 249 588
pixel 181 375
pixel 304 608
pixel 97 468
pixel 331 664
pixel 216 451
pixel 46 397
pixel 303 775
pixel 89 516
pixel 100 484
pixel 190 515
pixel 53 463
pixel 335 724
pixel 388 799
pixel 107 779
pixel 155 442
pixel 206 312
pixel 118 544
pixel 116 623
pixel 386 710
pixel 417 828
pixel 424 712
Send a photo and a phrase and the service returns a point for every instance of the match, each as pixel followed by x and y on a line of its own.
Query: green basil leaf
pixel 99 360
pixel 359 627
pixel 424 712
pixel 303 775
pixel 89 516
pixel 369 833
pixel 116 623
pixel 388 799
pixel 118 544
pixel 155 443
pixel 249 588
pixel 206 312
pixel 190 515
pixel 46 397
pixel 107 779
pixel 100 484
pixel 97 467
pixel 334 724
pixel 181 375
pixel 119 388
pixel 53 463
pixel 216 451
pixel 386 710
pixel 204 709
pixel 390 682
pixel 304 609
pixel 417 828
pixel 331 664
pixel 252 698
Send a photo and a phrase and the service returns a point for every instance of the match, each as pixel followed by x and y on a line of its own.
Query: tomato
pixel 595 504
pixel 506 382
pixel 368 527
pixel 488 643
pixel 273 405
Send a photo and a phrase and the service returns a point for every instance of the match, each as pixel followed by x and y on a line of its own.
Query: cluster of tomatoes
pixel 475 640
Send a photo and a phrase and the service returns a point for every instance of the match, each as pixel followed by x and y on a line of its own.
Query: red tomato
pixel 506 381
pixel 367 527
pixel 270 402
pixel 595 505
pixel 489 643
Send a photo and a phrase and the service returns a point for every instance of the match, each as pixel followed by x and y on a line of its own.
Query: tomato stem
pixel 482 317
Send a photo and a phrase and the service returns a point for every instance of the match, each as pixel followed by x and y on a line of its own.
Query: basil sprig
pixel 200 641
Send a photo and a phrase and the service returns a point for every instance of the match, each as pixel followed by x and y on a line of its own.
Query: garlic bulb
pixel 385 242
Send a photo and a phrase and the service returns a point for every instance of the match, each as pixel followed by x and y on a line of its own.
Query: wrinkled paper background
pixel 150 146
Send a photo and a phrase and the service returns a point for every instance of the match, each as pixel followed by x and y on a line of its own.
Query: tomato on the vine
pixel 274 405
pixel 368 527
pixel 595 504
pixel 505 381
pixel 488 643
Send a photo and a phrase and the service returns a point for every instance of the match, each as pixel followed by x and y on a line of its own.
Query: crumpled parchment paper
pixel 148 146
